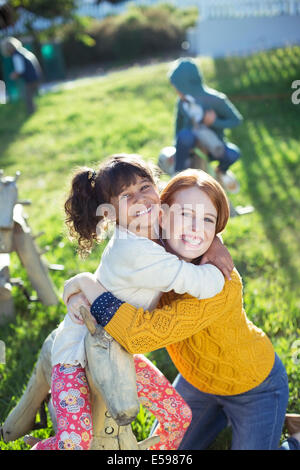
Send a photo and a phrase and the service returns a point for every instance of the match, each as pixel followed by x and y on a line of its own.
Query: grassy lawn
pixel 132 111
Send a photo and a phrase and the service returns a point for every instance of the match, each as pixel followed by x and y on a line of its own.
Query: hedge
pixel 140 32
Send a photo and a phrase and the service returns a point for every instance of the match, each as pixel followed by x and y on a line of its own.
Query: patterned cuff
pixel 104 308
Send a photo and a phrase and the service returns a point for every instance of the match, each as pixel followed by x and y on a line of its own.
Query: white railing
pixel 89 8
pixel 209 9
pixel 99 11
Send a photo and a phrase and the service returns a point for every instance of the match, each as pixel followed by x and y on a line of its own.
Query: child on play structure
pixel 217 114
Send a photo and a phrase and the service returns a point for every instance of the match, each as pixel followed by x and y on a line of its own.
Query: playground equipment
pixel 112 381
pixel 198 160
pixel 15 235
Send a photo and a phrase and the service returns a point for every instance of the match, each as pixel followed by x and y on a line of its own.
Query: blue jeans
pixel 186 141
pixel 256 416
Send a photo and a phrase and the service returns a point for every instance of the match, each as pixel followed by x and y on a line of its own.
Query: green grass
pixel 132 111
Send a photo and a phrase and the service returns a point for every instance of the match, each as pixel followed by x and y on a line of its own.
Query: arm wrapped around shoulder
pixel 176 318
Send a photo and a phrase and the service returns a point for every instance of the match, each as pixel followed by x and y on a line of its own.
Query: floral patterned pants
pixel 71 400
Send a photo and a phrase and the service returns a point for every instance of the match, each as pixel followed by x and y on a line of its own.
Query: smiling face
pixel 137 207
pixel 190 224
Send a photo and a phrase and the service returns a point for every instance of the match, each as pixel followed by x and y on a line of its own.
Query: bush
pixel 140 32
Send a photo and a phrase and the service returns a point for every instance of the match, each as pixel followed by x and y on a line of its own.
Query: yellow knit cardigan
pixel 212 343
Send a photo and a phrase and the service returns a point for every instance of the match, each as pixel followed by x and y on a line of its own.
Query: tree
pixel 50 9
pixel 7 16
pixel 46 8
pixel 109 1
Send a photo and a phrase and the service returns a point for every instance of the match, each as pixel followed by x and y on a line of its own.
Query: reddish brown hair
pixel 207 184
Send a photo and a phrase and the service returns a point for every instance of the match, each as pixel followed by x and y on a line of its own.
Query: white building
pixel 240 27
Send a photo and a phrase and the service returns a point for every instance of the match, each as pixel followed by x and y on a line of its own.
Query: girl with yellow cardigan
pixel 229 373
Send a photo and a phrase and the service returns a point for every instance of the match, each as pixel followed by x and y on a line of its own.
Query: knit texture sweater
pixel 212 343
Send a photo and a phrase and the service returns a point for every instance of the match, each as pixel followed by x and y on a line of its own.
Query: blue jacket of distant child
pixel 186 78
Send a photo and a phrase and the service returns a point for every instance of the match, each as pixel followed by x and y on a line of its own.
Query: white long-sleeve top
pixel 137 270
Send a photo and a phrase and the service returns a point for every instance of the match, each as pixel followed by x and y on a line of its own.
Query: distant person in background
pixel 218 114
pixel 26 67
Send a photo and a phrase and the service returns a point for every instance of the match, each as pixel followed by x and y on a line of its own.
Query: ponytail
pixel 81 207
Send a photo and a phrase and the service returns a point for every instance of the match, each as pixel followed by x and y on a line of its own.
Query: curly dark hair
pixel 90 189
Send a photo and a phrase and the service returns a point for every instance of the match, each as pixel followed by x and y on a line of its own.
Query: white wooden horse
pixel 112 382
pixel 15 235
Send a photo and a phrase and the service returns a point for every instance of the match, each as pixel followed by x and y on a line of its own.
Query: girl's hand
pixel 75 285
pixel 209 117
pixel 219 256
pixel 73 305
pixel 85 283
pixel 71 287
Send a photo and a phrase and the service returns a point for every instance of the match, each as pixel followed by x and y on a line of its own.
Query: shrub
pixel 139 32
